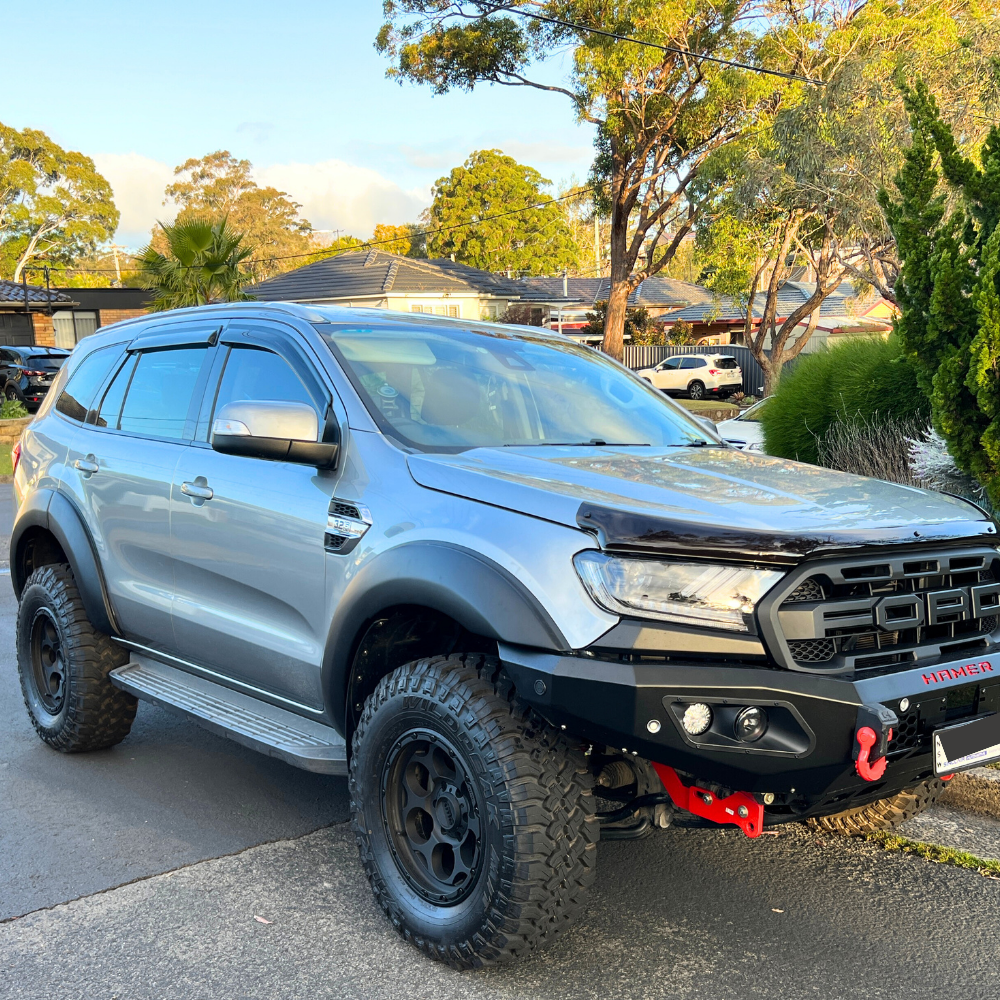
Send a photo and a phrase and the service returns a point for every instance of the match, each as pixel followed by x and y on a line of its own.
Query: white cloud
pixel 339 195
pixel 138 184
pixel 333 194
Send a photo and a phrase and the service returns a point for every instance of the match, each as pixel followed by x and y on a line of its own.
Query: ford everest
pixel 520 598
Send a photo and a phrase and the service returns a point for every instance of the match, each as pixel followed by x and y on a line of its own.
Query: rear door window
pixel 161 392
pixel 693 363
pixel 84 381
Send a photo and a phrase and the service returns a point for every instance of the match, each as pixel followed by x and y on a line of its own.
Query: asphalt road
pixel 692 912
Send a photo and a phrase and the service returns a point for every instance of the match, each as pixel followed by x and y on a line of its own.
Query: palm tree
pixel 201 265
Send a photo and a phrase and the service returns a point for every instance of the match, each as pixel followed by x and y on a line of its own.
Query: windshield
pixel 448 388
pixel 753 413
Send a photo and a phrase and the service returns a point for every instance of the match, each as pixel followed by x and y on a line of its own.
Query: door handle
pixel 197 491
pixel 88 466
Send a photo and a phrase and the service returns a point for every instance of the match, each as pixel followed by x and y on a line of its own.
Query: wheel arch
pixel 50 529
pixel 446 590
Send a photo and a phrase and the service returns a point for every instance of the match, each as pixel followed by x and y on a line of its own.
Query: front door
pixel 667 375
pixel 248 536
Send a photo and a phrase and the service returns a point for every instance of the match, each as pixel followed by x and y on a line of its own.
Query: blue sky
pixel 295 86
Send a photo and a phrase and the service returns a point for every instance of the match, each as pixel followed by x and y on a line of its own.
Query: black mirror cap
pixel 322 454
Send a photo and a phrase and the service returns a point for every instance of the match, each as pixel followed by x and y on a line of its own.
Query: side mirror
pixel 281 432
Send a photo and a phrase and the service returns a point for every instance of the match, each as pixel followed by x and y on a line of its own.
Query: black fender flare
pixel 55 513
pixel 480 595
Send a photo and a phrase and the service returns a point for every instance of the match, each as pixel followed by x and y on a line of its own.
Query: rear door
pixel 122 461
pixel 248 534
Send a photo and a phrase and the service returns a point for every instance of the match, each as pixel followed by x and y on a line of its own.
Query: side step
pixel 279 733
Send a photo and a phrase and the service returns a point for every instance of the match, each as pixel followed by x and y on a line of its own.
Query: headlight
pixel 755 446
pixel 708 595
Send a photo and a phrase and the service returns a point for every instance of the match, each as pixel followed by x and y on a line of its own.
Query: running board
pixel 257 724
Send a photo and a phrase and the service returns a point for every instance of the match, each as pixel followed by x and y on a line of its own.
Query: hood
pixel 706 499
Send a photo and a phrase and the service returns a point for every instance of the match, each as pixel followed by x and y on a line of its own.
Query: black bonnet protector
pixel 628 531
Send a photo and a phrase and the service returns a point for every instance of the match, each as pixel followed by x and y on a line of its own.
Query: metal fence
pixel 637 357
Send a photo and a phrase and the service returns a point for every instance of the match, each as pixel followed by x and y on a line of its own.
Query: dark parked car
pixel 27 372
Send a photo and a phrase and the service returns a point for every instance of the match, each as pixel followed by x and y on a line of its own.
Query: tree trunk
pixel 614 320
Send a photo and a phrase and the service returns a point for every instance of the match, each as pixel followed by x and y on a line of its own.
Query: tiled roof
pixel 13 291
pixel 364 273
pixel 652 293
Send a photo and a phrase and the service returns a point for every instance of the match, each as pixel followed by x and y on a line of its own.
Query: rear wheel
pixel 64 662
pixel 885 814
pixel 474 819
pixel 696 390
pixel 12 395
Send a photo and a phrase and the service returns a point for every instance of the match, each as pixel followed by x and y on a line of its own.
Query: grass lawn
pixel 6 469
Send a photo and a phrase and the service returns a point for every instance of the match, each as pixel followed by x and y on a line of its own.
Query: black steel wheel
pixel 696 390
pixel 48 667
pixel 64 662
pixel 474 818
pixel 433 816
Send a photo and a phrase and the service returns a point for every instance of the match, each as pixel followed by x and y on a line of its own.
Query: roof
pixel 651 293
pixel 375 273
pixel 13 292
pixel 110 298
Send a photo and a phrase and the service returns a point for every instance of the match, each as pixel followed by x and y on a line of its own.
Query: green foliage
pixel 12 409
pixel 204 263
pixel 639 325
pixel 53 203
pixel 534 241
pixel 862 380
pixel 948 286
pixel 219 186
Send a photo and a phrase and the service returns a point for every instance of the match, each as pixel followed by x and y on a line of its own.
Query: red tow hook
pixel 866 739
pixel 740 808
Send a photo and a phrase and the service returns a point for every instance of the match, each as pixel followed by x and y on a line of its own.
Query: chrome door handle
pixel 197 491
pixel 87 465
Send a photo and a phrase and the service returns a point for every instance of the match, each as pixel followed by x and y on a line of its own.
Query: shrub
pixel 12 409
pixel 865 381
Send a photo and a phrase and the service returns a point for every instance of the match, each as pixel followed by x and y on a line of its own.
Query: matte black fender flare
pixel 481 596
pixel 55 513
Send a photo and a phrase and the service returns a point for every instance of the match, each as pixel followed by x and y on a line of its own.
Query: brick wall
pixel 45 334
pixel 109 316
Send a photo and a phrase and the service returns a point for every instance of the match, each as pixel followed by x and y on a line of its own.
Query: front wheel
pixel 885 814
pixel 696 390
pixel 474 818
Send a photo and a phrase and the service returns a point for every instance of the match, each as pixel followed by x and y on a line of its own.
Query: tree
pixel 466 205
pixel 219 186
pixel 54 205
pixel 659 115
pixel 949 283
pixel 393 239
pixel 640 327
pixel 204 263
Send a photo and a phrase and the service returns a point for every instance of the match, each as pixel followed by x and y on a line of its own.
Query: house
pixel 61 317
pixel 384 280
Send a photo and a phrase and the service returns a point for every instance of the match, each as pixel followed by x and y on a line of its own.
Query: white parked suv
pixel 697 376
pixel 745 431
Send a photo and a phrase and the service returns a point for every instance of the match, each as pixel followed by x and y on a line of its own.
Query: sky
pixel 296 87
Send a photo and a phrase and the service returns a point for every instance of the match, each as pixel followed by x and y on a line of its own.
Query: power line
pixel 676 49
pixel 353 246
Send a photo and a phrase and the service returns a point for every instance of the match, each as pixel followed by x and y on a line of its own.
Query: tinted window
pixel 159 395
pixel 671 364
pixel 258 374
pixel 454 388
pixel 74 401
pixel 693 363
pixel 726 363
pixel 48 362
pixel 6 357
pixel 111 406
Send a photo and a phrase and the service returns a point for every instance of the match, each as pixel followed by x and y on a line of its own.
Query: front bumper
pixel 808 766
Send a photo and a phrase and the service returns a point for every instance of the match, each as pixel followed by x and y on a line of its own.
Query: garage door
pixel 16 330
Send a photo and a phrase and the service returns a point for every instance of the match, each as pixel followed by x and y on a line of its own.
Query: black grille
pixel 889 613
pixel 341 509
pixel 812 650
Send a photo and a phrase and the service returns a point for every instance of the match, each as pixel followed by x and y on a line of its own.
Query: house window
pixel 72 326
pixel 440 311
pixel 453 311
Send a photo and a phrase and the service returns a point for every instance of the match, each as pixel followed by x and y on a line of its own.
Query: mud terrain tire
pixel 64 662
pixel 885 814
pixel 446 755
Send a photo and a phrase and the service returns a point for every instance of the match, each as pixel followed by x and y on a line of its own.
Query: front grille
pixel 886 614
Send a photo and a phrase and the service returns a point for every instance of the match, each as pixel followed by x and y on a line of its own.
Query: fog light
pixel 696 719
pixel 751 724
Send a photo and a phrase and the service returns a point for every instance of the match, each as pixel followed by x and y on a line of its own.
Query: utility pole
pixel 597 243
pixel 118 271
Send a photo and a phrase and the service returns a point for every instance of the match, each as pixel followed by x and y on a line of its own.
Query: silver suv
pixel 513 592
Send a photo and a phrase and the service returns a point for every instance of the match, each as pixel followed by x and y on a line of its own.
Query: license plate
pixel 968 744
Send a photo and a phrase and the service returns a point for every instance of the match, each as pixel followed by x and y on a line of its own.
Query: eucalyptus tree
pixel 660 105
